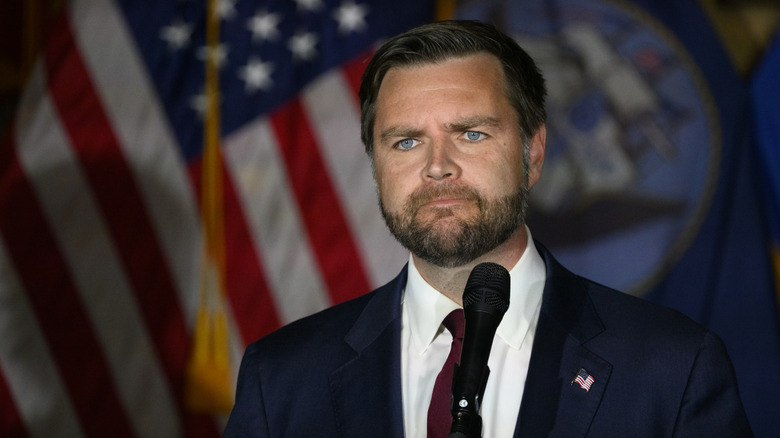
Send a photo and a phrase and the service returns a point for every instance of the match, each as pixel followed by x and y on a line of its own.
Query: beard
pixel 461 242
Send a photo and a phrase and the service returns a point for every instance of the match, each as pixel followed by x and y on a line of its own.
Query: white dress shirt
pixel 425 344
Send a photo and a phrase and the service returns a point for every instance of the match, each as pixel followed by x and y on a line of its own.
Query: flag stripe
pixel 254 159
pixel 149 150
pixel 146 139
pixel 245 280
pixel 100 209
pixel 100 279
pixel 328 231
pixel 335 121
pixel 37 396
pixel 353 72
pixel 11 424
pixel 34 249
pixel 110 179
pixel 154 159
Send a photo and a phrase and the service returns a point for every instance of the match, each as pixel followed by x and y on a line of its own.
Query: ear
pixel 536 155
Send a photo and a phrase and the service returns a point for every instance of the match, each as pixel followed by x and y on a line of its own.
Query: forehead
pixel 473 83
pixel 446 93
pixel 481 70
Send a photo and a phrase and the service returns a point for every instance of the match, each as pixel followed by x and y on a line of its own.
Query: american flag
pixel 101 233
pixel 583 379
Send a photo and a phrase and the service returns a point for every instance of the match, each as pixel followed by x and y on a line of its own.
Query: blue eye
pixel 474 135
pixel 406 144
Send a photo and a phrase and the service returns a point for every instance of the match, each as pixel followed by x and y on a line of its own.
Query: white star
pixel 351 17
pixel 177 35
pixel 218 54
pixel 199 103
pixel 264 26
pixel 309 5
pixel 256 75
pixel 226 9
pixel 302 46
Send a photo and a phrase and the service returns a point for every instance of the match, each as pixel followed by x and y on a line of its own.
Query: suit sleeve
pixel 711 405
pixel 248 416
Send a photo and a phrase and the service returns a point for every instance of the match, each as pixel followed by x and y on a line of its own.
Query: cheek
pixel 514 170
pixel 388 186
pixel 503 177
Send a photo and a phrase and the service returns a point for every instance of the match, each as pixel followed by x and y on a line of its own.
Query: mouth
pixel 444 198
pixel 445 202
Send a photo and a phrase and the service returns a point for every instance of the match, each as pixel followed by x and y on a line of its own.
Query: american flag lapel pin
pixel 583 379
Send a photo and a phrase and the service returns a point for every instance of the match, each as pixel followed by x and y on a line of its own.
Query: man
pixel 453 120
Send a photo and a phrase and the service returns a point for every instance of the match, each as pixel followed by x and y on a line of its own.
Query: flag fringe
pixel 209 382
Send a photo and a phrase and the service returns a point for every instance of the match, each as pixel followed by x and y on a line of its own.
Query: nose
pixel 441 164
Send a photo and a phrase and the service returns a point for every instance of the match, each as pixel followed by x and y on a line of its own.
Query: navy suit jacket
pixel 656 373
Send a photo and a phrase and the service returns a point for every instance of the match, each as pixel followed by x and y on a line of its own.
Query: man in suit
pixel 453 120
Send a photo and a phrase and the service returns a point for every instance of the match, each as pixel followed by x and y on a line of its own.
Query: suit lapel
pixel 372 379
pixel 553 403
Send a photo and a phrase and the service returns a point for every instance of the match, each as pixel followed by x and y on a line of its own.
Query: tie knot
pixel 455 322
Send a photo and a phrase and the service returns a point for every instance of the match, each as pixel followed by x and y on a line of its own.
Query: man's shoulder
pixel 662 354
pixel 326 329
pixel 622 315
pixel 632 314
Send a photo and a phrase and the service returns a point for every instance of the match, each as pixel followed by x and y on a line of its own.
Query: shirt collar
pixel 525 296
pixel 427 308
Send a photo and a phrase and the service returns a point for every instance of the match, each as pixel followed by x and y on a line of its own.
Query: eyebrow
pixel 399 132
pixel 472 122
pixel 457 126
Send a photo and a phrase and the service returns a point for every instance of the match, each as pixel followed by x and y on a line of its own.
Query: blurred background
pixel 180 177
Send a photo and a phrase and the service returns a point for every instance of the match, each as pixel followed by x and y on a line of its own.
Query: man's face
pixel 448 158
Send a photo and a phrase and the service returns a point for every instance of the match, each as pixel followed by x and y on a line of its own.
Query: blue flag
pixel 650 181
pixel 765 90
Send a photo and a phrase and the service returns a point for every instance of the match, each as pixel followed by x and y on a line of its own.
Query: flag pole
pixel 209 380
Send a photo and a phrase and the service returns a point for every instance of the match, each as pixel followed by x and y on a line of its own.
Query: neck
pixel 451 282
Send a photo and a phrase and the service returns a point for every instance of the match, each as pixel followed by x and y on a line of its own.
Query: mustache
pixel 426 194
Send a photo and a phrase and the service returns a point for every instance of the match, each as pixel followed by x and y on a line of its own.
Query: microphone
pixel 485 300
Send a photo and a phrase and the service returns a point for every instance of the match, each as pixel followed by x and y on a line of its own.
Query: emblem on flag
pixel 583 379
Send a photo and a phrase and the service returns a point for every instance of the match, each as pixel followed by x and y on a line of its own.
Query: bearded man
pixel 453 121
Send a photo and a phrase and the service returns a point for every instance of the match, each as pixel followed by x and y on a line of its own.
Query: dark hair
pixel 443 40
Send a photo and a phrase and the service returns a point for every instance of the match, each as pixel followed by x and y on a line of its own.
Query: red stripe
pixel 247 288
pixel 43 272
pixel 353 72
pixel 328 231
pixel 11 424
pixel 123 207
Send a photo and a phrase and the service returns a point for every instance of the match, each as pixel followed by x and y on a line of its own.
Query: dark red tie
pixel 439 414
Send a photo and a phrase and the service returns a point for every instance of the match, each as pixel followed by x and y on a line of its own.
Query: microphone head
pixel 487 289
